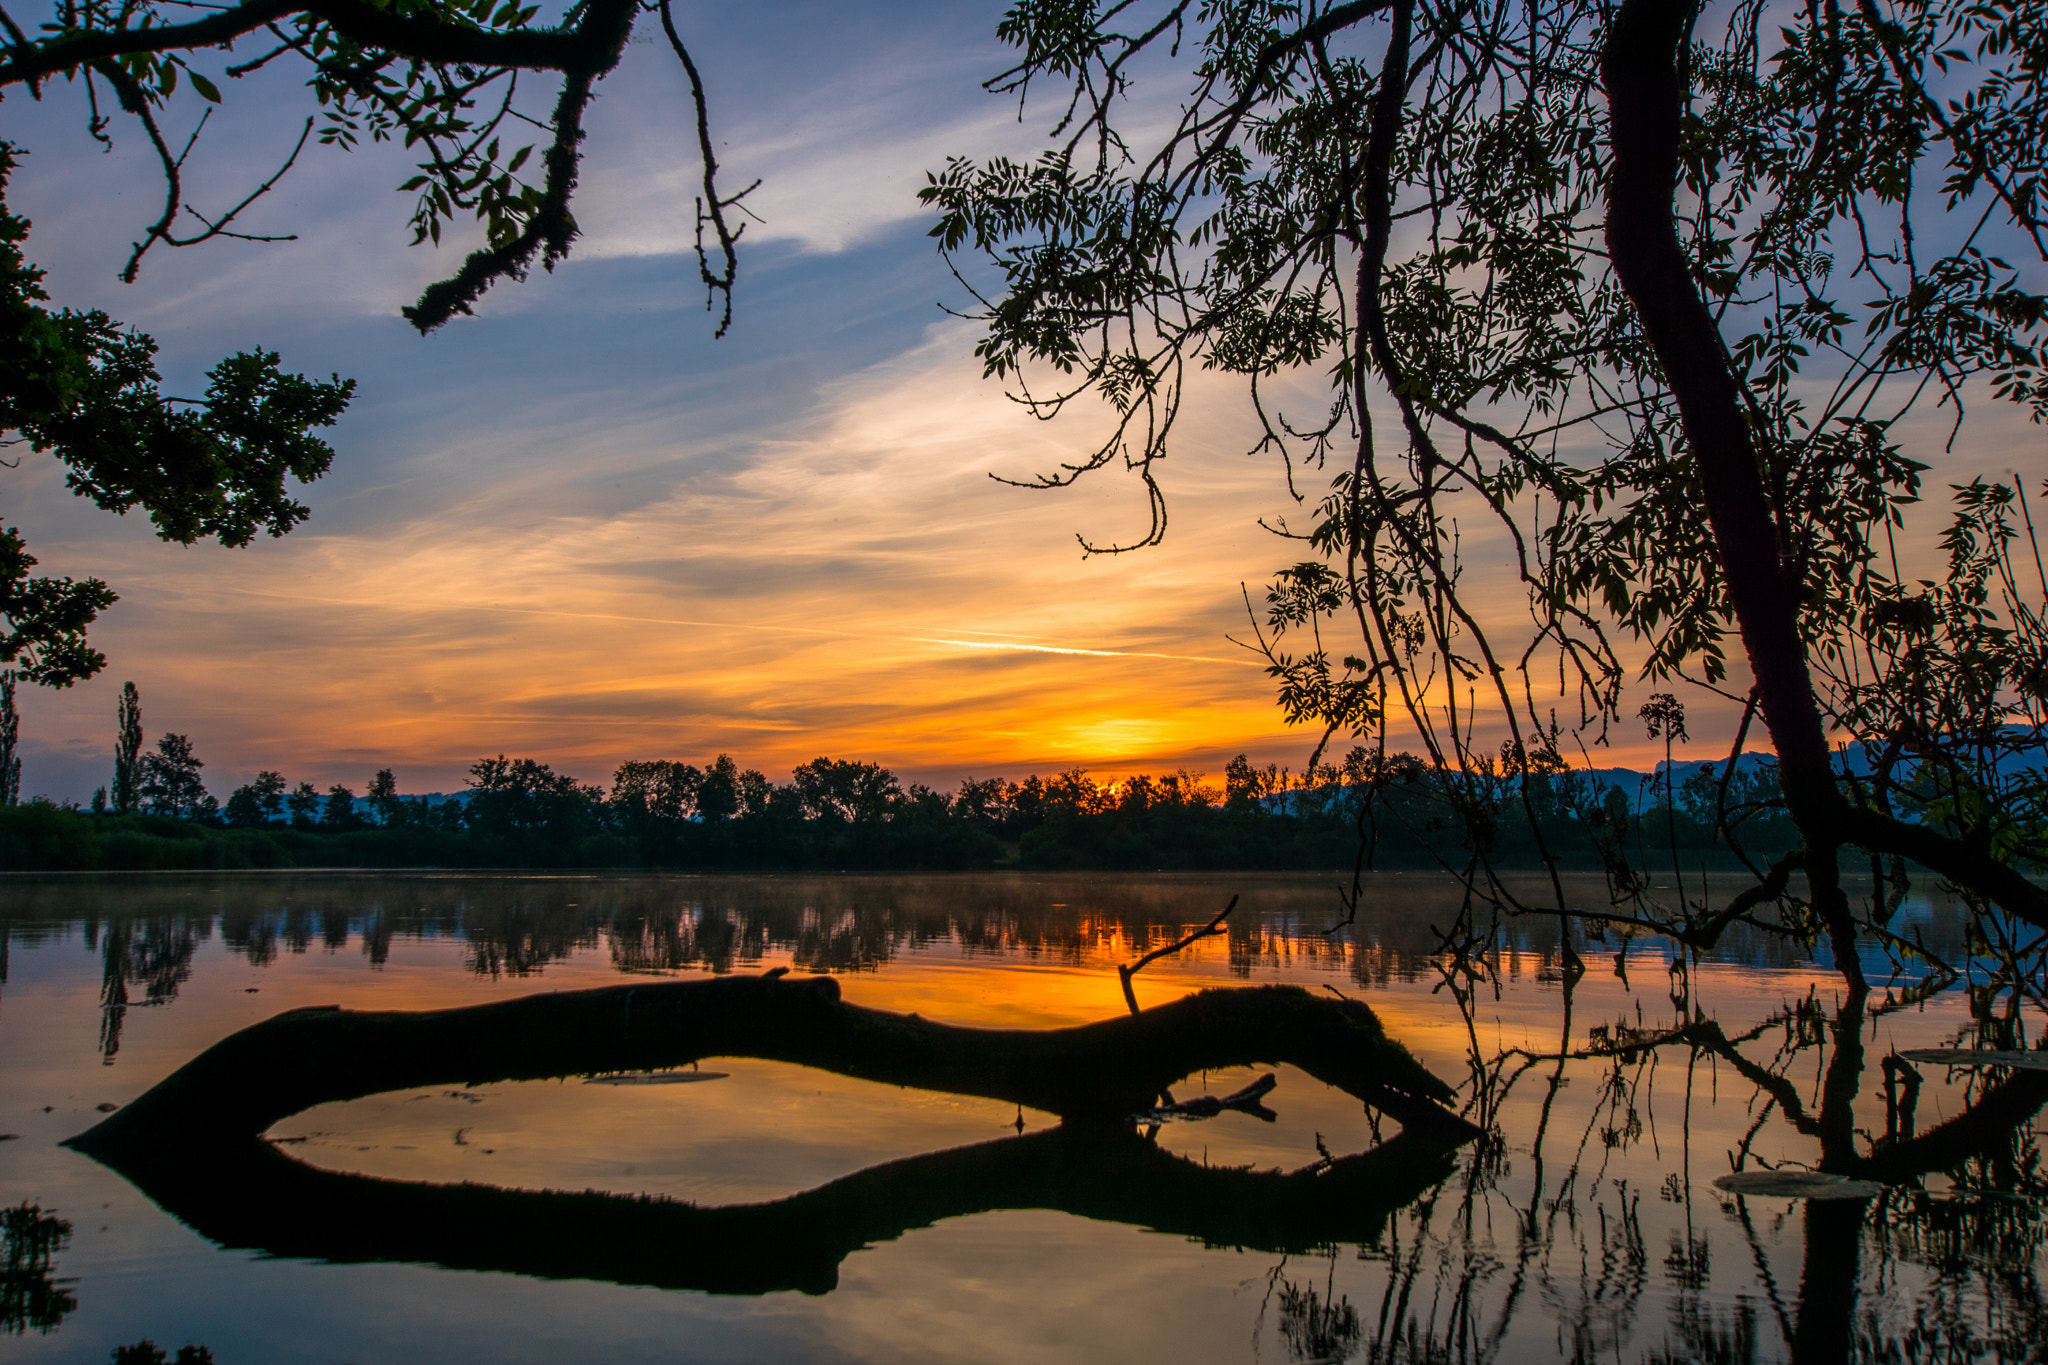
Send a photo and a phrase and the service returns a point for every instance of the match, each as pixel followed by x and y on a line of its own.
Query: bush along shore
pixel 838 814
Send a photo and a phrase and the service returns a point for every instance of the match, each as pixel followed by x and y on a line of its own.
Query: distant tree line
pixel 850 814
pixel 840 813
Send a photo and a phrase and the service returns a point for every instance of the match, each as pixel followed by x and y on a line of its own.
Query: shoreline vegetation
pixel 840 815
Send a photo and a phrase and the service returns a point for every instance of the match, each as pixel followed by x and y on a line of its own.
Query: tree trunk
pixel 1639 69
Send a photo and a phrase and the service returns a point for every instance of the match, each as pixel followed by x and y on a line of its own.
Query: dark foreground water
pixel 1590 1229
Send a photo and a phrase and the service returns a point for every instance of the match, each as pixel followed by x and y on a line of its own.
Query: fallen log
pixel 1106 1071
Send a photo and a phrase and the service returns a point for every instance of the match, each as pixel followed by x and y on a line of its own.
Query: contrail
pixel 1056 649
pixel 759 626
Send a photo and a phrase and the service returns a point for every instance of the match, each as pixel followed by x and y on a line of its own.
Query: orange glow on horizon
pixel 860 589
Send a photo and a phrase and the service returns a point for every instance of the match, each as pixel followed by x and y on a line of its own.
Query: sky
pixel 578 528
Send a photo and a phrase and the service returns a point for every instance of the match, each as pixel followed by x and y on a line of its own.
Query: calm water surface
pixel 1588 1230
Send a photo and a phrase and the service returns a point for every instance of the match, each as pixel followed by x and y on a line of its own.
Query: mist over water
pixel 1587 1226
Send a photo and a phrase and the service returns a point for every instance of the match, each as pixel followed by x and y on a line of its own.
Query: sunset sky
pixel 578 528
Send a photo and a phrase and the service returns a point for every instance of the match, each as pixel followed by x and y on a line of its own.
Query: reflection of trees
pixel 515 936
pixel 154 955
pixel 1702 1335
pixel 1317 1325
pixel 1911 1275
pixel 521 926
pixel 31 1296
pixel 513 926
pixel 1552 1228
pixel 1983 1250
pixel 678 936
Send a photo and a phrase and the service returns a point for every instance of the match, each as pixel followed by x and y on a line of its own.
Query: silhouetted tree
pixel 170 779
pixel 147 1352
pixel 718 795
pixel 1711 249
pixel 258 804
pixel 984 804
pixel 10 738
pixel 528 813
pixel 454 81
pixel 847 792
pixel 653 801
pixel 339 810
pixel 656 790
pixel 756 792
pixel 1247 784
pixel 127 750
pixel 303 806
pixel 384 799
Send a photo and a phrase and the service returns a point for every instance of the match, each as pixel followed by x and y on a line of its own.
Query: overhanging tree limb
pixel 382 71
pixel 587 45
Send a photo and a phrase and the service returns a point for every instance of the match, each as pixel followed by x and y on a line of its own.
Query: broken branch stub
pixel 1245 1101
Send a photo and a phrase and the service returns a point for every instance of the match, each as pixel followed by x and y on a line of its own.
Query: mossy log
pixel 250 1080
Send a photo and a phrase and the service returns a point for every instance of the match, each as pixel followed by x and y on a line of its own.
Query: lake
pixel 1586 1227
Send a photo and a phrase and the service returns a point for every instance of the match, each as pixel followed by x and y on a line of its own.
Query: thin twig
pixel 1209 930
pixel 710 206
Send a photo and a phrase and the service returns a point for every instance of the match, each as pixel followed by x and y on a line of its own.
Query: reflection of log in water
pixel 193 1142
pixel 250 1195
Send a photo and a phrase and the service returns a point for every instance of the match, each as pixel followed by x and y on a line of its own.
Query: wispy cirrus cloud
pixel 848 580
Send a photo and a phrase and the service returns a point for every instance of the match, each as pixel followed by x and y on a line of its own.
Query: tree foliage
pixel 441 78
pixel 127 750
pixel 10 740
pixel 171 784
pixel 1531 287
pixel 86 390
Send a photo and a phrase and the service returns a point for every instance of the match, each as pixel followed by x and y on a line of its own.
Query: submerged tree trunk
pixel 1765 581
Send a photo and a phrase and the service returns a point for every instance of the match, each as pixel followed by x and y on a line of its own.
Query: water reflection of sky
pixel 1591 1231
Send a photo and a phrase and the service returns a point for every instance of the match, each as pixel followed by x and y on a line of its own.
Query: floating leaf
pixel 656 1077
pixel 1952 1056
pixel 1798 1185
